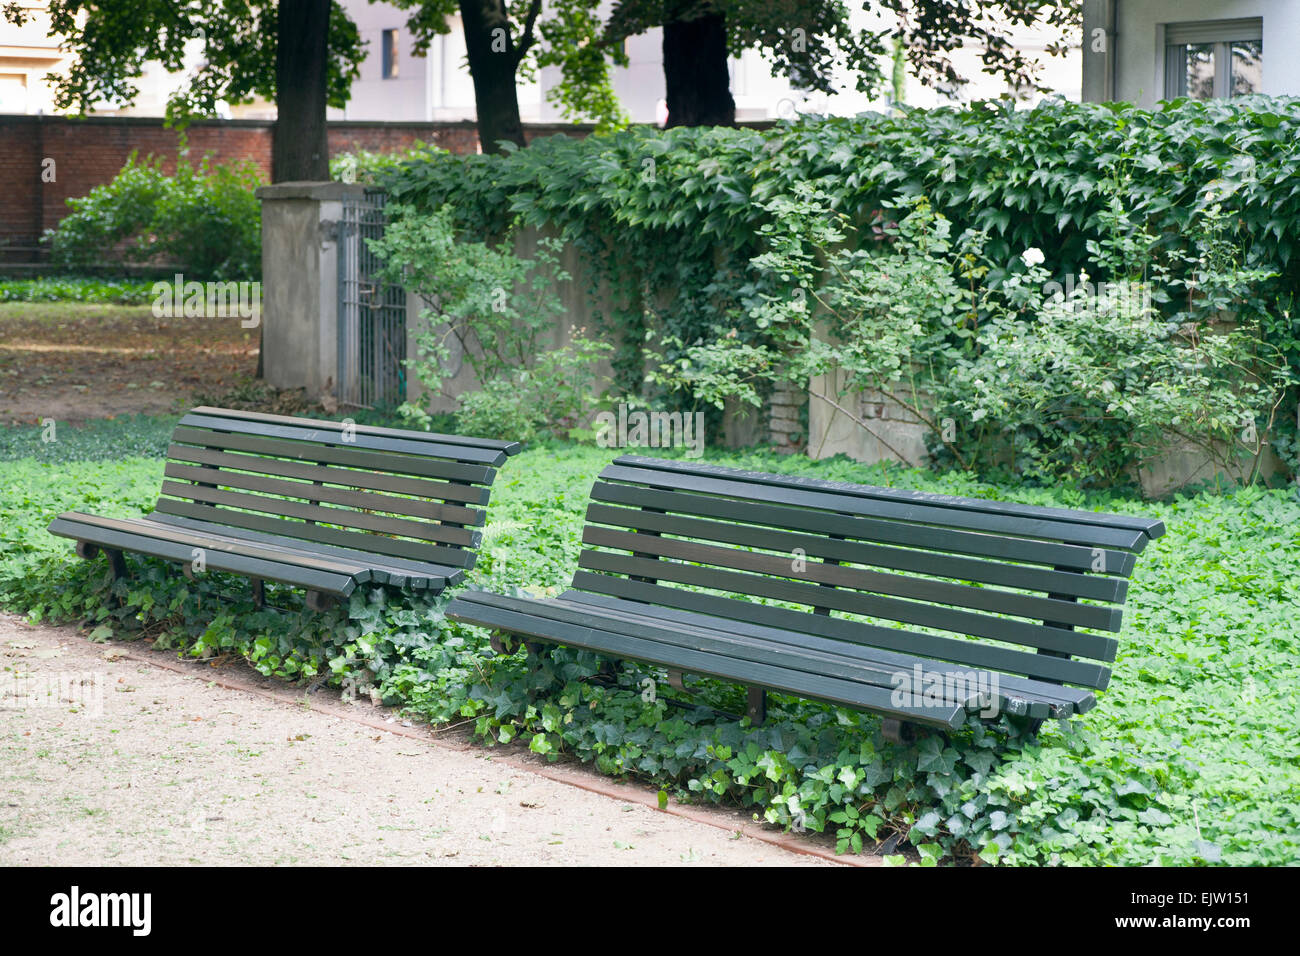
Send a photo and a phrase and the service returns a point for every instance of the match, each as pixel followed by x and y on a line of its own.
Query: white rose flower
pixel 1032 257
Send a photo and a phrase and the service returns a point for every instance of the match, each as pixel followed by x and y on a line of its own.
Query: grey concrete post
pixel 300 282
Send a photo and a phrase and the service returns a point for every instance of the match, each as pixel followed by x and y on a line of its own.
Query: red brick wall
pixel 90 152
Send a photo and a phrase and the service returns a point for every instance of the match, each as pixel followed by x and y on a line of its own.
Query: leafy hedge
pixel 1190 756
pixel 671 219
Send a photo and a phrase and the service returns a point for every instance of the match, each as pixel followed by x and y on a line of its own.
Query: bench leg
pixel 320 601
pixel 116 563
pixel 259 592
pixel 502 643
pixel 897 731
pixel 756 706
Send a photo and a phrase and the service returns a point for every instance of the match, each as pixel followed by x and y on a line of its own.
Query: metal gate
pixel 372 313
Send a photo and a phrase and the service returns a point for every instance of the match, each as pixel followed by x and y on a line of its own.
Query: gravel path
pixel 156 764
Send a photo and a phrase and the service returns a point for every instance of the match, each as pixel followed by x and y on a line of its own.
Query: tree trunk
pixel 695 72
pixel 299 149
pixel 492 63
pixel 299 146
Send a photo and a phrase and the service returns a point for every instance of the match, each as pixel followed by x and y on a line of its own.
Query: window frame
pixel 1221 34
pixel 389 65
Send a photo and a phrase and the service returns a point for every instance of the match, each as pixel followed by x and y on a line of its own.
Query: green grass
pixel 96 440
pixel 1191 755
pixel 77 289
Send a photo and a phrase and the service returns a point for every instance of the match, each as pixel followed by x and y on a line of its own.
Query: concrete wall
pixel 894 433
pixel 1132 68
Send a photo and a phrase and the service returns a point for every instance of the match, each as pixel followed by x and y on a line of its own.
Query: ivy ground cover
pixel 1191 756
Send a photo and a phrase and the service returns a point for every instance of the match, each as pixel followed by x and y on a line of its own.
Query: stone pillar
pixel 300 282
pixel 784 406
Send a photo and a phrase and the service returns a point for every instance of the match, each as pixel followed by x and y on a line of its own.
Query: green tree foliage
pixel 240 39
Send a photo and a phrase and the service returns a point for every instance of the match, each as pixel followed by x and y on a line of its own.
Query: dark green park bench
pixel 319 505
pixel 925 608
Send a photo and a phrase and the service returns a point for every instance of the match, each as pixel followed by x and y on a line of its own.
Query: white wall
pixel 1139 42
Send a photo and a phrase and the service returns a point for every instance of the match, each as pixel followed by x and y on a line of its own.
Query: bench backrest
pixel 1031 585
pixel 380 490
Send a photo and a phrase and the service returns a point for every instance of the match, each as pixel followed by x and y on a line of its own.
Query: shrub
pixel 1076 387
pixel 497 309
pixel 205 220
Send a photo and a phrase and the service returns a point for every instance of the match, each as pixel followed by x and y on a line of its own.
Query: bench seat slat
pixel 797 651
pixel 363 567
pixel 326 582
pixel 368 500
pixel 1051 529
pixel 1042 637
pixel 337 455
pixel 399 570
pixel 867 528
pixel 707 662
pixel 397 547
pixel 209 542
pixel 957 651
pixel 861 579
pixel 354 478
pixel 1059 699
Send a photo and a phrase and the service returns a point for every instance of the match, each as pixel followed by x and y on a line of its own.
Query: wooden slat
pixel 362 500
pixel 343 517
pixel 976 654
pixel 1054 554
pixel 333 438
pixel 337 455
pixel 993 600
pixel 509 447
pixel 1149 526
pixel 882 608
pixel 789 649
pixel 927 514
pixel 937 563
pixel 358 540
pixel 352 478
pixel 846 693
pixel 399 570
pixel 1061 700
pixel 912 643
pixel 361 573
pixel 312 579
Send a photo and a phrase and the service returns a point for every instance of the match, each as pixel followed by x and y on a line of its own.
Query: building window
pixel 1214 58
pixel 390 54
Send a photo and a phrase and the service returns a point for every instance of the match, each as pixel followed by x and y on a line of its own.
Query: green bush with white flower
pixel 1080 384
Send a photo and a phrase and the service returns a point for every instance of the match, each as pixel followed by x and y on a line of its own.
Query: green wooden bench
pixel 319 505
pixel 925 608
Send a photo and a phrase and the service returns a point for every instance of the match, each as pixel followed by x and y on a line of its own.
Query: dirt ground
pixel 116 754
pixel 74 361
